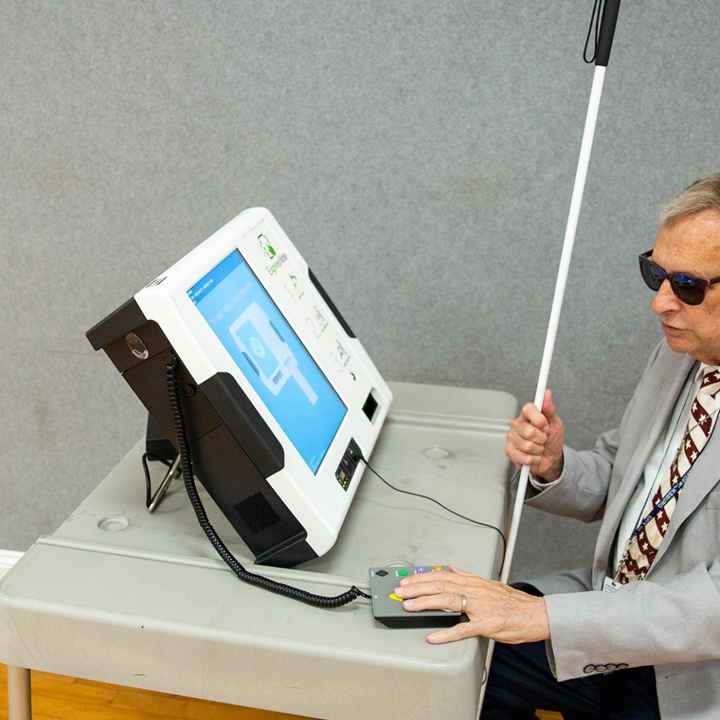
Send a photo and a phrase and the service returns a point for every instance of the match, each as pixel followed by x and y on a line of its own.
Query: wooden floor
pixel 56 697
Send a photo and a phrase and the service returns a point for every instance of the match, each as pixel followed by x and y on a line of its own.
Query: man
pixel 638 634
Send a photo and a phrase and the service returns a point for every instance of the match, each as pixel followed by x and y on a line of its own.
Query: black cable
pixel 437 502
pixel 187 472
pixel 594 20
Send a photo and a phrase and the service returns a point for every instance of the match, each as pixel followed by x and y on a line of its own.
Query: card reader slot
pixel 370 406
pixel 348 463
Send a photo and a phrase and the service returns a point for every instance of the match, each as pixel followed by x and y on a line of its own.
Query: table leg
pixel 19 706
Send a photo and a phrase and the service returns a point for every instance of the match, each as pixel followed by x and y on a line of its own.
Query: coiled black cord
pixel 215 540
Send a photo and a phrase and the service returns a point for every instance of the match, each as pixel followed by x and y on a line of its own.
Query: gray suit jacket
pixel 672 619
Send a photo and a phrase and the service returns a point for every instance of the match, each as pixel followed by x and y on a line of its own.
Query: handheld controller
pixel 387 607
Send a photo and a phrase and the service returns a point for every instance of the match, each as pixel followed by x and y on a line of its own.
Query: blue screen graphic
pixel 269 353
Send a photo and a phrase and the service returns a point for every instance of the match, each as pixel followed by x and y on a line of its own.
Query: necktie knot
pixel 711 380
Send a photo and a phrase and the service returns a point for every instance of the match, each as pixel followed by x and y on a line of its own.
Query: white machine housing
pixel 319 501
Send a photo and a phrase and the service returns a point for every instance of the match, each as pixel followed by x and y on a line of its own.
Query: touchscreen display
pixel 270 355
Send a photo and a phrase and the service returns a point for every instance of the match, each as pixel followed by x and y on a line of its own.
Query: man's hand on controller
pixel 494 610
pixel 537 439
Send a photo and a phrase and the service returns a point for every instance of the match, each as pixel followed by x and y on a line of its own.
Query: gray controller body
pixel 387 607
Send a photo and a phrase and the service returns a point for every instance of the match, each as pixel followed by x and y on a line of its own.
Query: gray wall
pixel 421 154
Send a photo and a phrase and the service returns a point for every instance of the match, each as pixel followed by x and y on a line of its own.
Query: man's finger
pixel 414 590
pixel 548 407
pixel 530 432
pixel 441 601
pixel 530 448
pixel 521 458
pixel 457 632
pixel 535 416
pixel 432 577
pixel 458 571
pixel 437 587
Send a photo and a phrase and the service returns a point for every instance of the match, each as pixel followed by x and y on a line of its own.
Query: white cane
pixel 604 44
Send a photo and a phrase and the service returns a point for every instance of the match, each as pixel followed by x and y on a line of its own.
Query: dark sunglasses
pixel 687 288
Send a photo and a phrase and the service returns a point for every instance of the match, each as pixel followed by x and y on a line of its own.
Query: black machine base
pixel 234 451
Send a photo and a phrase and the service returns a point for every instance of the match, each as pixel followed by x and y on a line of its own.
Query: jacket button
pixel 588 669
pixel 601 668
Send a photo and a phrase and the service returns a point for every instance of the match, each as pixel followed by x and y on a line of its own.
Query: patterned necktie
pixel 645 540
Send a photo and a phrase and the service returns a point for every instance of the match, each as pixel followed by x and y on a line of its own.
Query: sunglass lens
pixel 688 289
pixel 652 273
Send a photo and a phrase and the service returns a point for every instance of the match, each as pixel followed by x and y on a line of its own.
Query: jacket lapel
pixel 656 402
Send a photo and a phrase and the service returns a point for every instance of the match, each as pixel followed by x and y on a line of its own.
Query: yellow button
pixel 393 596
pixel 438 568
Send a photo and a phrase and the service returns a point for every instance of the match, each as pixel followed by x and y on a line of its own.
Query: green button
pixel 403 572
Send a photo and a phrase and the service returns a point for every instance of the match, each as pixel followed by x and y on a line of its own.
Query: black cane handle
pixel 607 31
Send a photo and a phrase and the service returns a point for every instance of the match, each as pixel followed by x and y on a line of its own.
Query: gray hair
pixel 702 195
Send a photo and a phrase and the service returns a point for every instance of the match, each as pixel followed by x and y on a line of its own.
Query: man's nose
pixel 665 300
